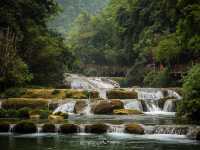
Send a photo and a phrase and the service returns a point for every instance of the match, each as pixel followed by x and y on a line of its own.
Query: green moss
pixel 96 128
pixel 24 113
pixel 69 128
pixel 25 127
pixel 121 94
pixel 48 128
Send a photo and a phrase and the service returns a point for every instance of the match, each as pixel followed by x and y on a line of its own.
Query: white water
pixel 168 107
pixel 67 107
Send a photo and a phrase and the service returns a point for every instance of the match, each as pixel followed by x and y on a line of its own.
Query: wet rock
pixel 121 94
pixel 194 133
pixel 134 129
pixel 55 118
pixel 48 128
pixel 117 104
pixel 127 112
pixel 96 128
pixel 69 128
pixel 4 127
pixel 102 107
pixel 25 127
pixel 79 106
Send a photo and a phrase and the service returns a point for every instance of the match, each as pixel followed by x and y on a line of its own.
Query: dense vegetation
pixel 30 52
pixel 138 34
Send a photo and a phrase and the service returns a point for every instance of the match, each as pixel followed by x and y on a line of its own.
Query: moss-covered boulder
pixel 134 129
pixel 121 94
pixel 127 112
pixel 117 104
pixel 96 128
pixel 62 114
pixel 102 107
pixel 55 118
pixel 69 128
pixel 80 106
pixel 4 127
pixel 48 128
pixel 25 127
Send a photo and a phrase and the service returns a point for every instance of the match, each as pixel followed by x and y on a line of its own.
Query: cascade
pixel 67 107
pixel 179 130
pixel 116 129
pixel 132 104
pixel 169 106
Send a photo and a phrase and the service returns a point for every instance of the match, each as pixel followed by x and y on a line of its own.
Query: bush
pixel 25 127
pixel 24 112
pixel 4 127
pixel 21 103
pixel 3 113
pixel 48 128
pixel 121 94
pixel 8 113
pixel 43 113
pixel 69 128
pixel 134 129
pixel 96 128
pixel 14 92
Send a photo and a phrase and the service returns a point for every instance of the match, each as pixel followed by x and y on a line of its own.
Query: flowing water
pixel 161 131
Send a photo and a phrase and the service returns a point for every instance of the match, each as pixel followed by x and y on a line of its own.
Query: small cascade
pixel 0 104
pixel 67 107
pixel 87 110
pixel 152 106
pixel 116 129
pixel 172 93
pixel 179 130
pixel 149 94
pixel 11 128
pixel 169 106
pixel 133 104
pixel 39 129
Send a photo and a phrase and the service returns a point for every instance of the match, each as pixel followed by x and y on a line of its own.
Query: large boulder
pixel 96 128
pixel 25 127
pixel 48 128
pixel 134 129
pixel 69 128
pixel 121 94
pixel 80 106
pixel 127 112
pixel 107 107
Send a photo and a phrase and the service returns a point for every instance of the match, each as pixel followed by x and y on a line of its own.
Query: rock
pixel 69 128
pixel 48 128
pixel 198 136
pixel 96 128
pixel 34 117
pixel 117 104
pixel 121 94
pixel 102 107
pixel 134 129
pixel 25 127
pixel 4 127
pixel 55 118
pixel 79 106
pixel 127 112
pixel 62 114
pixel 194 133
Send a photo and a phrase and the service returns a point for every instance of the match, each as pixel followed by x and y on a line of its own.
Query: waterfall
pixel 116 129
pixel 169 106
pixel 152 106
pixel 67 107
pixel 133 104
pixel 149 94
pixel 179 130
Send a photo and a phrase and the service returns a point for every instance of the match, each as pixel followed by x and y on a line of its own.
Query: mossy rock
pixel 55 118
pixel 17 103
pixel 4 127
pixel 102 107
pixel 96 128
pixel 127 112
pixel 79 106
pixel 69 128
pixel 76 94
pixel 48 128
pixel 62 114
pixel 25 127
pixel 134 129
pixel 117 104
pixel 121 94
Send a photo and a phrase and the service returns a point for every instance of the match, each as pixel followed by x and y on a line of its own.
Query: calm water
pixel 113 141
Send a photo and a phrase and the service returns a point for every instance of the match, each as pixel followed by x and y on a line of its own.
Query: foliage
pixel 24 113
pixel 14 92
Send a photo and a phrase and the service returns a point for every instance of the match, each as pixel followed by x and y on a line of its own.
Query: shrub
pixel 134 129
pixel 25 127
pixel 24 112
pixel 21 103
pixel 69 128
pixel 14 92
pixel 96 128
pixel 48 128
pixel 4 127
pixel 12 113
pixel 3 113
pixel 121 94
